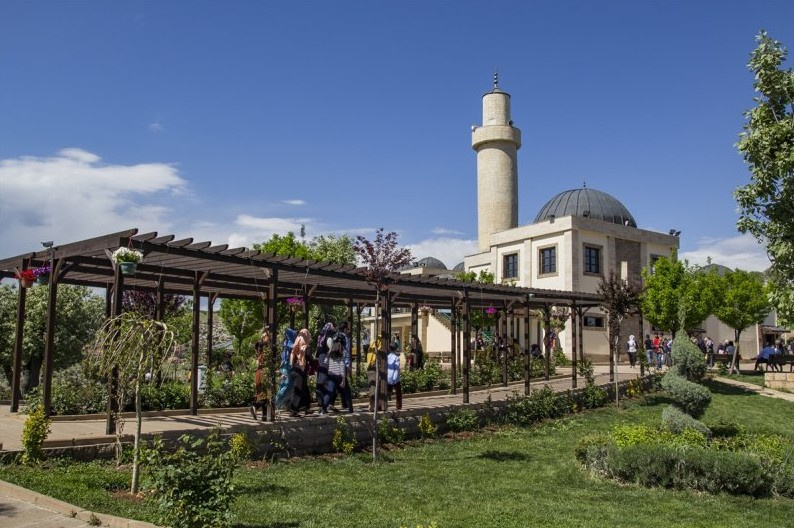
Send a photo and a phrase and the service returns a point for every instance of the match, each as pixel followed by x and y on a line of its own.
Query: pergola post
pixel 528 358
pixel 359 351
pixel 305 308
pixel 16 368
pixel 350 328
pixel 49 342
pixel 211 298
pixel 453 319
pixel 414 325
pixel 504 350
pixel 198 278
pixel 547 345
pixel 113 381
pixel 272 326
pixel 642 340
pixel 574 339
pixel 466 344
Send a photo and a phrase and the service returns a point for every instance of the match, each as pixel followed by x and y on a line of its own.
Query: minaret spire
pixel 496 143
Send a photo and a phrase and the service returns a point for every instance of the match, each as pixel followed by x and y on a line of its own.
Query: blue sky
pixel 229 121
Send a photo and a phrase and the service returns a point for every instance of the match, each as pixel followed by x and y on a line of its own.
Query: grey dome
pixel 459 267
pixel 587 202
pixel 430 262
pixel 717 268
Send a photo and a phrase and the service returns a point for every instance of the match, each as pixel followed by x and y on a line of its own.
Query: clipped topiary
pixel 677 422
pixel 688 360
pixel 689 397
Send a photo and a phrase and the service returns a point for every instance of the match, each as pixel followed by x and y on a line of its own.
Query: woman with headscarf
pixel 298 360
pixel 631 348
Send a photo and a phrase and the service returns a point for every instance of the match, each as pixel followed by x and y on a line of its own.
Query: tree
pixel 744 302
pixel 131 345
pixel 382 257
pixel 78 315
pixel 767 145
pixel 479 318
pixel 674 285
pixel 619 298
pixel 243 319
pixel 284 245
pixel 331 248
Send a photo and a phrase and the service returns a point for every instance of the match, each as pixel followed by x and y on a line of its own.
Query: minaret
pixel 496 143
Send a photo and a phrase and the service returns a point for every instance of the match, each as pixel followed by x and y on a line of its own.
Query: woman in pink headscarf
pixel 299 361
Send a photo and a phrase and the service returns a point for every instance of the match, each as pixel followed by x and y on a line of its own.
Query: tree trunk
pixel 34 371
pixel 136 454
pixel 377 380
pixel 734 362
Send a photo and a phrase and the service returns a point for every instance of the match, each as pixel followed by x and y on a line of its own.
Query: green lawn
pixel 508 478
pixel 747 376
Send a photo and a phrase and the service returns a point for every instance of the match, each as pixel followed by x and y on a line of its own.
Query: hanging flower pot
pixel 26 278
pixel 128 268
pixel 42 279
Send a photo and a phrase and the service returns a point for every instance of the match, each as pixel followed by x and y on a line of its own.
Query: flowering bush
pixel 123 254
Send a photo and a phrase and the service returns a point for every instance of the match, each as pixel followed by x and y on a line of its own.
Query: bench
pixel 442 357
pixel 778 360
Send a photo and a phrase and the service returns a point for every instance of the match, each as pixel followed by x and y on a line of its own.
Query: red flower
pixel 26 275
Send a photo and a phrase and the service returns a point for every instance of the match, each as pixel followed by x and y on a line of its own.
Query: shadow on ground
pixel 729 390
pixel 504 456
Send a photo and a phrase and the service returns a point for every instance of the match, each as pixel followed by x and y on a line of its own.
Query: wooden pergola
pixel 200 269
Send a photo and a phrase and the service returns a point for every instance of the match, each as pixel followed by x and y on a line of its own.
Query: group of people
pixel 657 351
pixel 329 361
pixel 767 354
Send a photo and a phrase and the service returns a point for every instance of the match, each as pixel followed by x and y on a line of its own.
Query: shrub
pixel 463 420
pixel 689 397
pixel 240 446
pixel 171 394
pixel 431 377
pixel 73 393
pixel 343 441
pixel 593 397
pixel 597 440
pixel 631 435
pixel 677 422
pixel 540 405
pixel 34 433
pixel 389 432
pixel 427 429
pixel 237 391
pixel 192 484
pixel 560 359
pixel 688 360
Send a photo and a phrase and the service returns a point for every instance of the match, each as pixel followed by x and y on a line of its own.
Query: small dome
pixel 459 267
pixel 586 202
pixel 717 268
pixel 430 262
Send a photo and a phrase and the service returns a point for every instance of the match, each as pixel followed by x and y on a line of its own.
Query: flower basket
pixel 127 260
pixel 26 278
pixel 294 303
pixel 42 274
pixel 128 268
pixel 42 279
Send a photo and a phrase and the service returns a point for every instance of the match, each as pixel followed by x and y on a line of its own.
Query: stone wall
pixel 779 380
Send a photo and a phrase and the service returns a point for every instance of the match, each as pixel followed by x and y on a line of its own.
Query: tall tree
pixel 743 303
pixel 479 319
pixel 382 257
pixel 619 298
pixel 79 314
pixel 767 145
pixel 674 286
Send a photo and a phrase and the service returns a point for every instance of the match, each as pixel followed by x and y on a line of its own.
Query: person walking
pixel 631 348
pixel 263 392
pixel 299 361
pixel 393 375
pixel 730 349
pixel 417 353
pixel 649 350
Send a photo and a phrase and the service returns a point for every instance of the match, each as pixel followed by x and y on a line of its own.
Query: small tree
pixel 132 345
pixel 672 285
pixel 743 303
pixel 382 257
pixel 479 319
pixel 619 299
pixel 767 143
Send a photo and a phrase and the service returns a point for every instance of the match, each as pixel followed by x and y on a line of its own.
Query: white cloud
pixel 742 251
pixel 72 196
pixel 445 231
pixel 294 202
pixel 156 127
pixel 450 251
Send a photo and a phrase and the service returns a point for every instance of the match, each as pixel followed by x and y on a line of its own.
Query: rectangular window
pixel 548 260
pixel 593 322
pixel 654 258
pixel 592 260
pixel 510 266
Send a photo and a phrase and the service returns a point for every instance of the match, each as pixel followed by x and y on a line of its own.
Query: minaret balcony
pixel 495 133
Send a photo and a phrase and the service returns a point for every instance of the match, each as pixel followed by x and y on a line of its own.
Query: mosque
pixel 577 237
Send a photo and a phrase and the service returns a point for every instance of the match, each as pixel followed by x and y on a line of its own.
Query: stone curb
pixel 69 510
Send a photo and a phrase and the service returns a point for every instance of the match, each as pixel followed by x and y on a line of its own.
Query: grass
pixel 747 376
pixel 507 478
